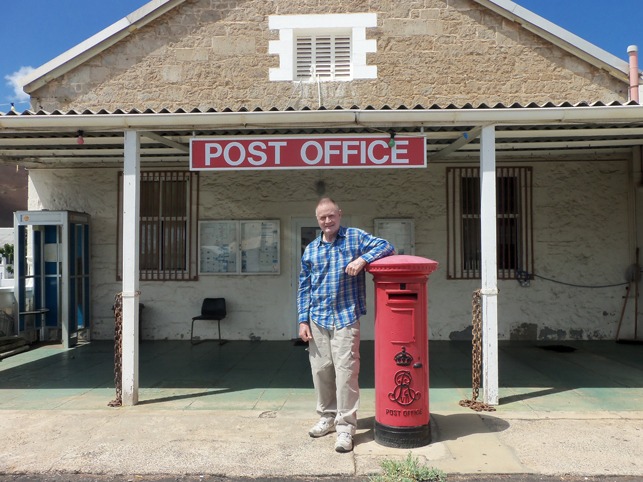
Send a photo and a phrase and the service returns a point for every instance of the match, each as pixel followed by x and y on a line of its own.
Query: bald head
pixel 329 218
pixel 326 201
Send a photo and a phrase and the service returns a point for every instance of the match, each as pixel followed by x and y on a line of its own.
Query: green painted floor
pixel 240 375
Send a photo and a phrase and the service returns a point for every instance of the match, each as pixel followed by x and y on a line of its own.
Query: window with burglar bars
pixel 513 223
pixel 327 57
pixel 168 220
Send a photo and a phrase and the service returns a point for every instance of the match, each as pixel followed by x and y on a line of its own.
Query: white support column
pixel 488 248
pixel 131 208
pixel 636 187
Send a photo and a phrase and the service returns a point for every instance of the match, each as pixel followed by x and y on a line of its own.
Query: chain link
pixel 118 351
pixel 476 313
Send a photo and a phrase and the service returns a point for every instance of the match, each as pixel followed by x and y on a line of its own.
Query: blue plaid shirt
pixel 327 295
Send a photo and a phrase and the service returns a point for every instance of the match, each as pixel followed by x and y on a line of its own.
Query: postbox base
pixel 402 437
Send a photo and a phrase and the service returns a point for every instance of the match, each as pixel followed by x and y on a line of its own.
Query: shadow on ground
pixel 176 370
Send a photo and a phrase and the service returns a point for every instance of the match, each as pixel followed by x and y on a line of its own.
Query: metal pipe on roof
pixel 633 50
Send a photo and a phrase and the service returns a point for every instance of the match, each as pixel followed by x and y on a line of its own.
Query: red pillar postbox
pixel 401 350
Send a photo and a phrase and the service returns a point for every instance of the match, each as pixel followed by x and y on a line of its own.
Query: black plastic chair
pixel 211 310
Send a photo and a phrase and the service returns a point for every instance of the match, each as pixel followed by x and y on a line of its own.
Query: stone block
pixel 230 46
pixel 172 74
pixel 210 16
pixel 486 33
pixel 409 27
pixel 163 30
pixel 430 13
pixel 189 19
pixel 461 5
pixel 178 31
pixel 480 47
pixel 576 65
pixel 98 74
pixel 190 55
pixel 78 75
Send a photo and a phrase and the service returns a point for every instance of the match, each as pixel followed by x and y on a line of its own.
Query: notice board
pixel 400 232
pixel 239 247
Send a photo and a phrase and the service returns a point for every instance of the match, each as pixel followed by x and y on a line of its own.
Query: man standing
pixel 332 295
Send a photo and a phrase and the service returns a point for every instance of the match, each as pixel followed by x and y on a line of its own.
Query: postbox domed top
pixel 402 265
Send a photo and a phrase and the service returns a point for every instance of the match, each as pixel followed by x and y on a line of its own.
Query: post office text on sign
pixel 299 152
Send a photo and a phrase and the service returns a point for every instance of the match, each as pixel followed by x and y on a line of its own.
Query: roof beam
pixel 518 146
pixel 462 141
pixel 82 152
pixel 549 154
pixel 571 133
pixel 165 141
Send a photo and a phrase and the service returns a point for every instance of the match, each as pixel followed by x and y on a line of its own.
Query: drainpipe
pixel 634 72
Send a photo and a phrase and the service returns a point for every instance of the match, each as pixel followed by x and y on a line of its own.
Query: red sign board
pixel 299 152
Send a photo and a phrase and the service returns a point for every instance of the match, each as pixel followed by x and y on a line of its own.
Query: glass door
pixel 305 230
pixel 78 281
pixel 29 273
pixel 52 276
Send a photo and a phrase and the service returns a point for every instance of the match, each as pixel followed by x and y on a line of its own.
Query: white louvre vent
pixel 328 47
pixel 324 57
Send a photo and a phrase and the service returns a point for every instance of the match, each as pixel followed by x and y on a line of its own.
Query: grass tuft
pixel 408 470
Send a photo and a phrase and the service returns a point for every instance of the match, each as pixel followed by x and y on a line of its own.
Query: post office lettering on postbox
pixel 411 413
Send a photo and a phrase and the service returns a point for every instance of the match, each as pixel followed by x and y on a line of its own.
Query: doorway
pixel 305 231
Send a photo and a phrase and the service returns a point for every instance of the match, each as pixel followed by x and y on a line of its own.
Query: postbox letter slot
pixel 403 296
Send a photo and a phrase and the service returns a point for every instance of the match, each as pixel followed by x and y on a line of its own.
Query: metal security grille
pixel 326 57
pixel 168 219
pixel 514 207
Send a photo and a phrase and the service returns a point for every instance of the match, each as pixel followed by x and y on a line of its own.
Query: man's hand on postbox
pixel 304 332
pixel 354 267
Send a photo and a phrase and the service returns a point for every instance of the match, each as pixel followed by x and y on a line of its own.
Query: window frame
pixel 292 26
pixel 514 222
pixel 153 262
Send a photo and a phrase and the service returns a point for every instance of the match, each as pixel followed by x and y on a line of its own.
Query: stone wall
pixel 6 236
pixel 209 53
pixel 13 193
pixel 581 236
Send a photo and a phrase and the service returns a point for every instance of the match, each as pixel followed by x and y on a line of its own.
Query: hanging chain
pixel 118 351
pixel 476 313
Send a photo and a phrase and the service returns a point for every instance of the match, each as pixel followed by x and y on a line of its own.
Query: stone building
pixel 551 111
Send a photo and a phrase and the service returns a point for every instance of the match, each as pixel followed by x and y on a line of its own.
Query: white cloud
pixel 17 88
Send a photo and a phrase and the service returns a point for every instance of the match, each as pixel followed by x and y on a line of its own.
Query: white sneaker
pixel 344 442
pixel 324 426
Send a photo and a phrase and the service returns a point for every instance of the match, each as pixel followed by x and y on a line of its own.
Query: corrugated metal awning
pixel 531 130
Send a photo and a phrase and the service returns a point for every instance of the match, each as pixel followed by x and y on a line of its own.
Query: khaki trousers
pixel 334 359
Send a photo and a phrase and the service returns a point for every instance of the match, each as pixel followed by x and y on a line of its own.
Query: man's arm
pixel 372 248
pixel 303 299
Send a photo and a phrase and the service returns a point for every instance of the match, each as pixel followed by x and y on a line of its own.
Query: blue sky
pixel 35 31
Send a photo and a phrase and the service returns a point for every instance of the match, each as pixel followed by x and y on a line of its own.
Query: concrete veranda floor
pixel 243 409
pixel 275 375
